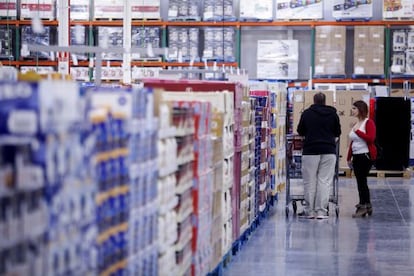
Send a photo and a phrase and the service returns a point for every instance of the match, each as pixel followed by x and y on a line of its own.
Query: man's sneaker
pixel 322 215
pixel 310 215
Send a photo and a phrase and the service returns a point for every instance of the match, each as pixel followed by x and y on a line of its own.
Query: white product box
pixel 110 9
pixel 145 72
pixel 111 73
pixel 397 9
pixel 256 10
pixel 286 9
pixel 343 9
pixel 8 8
pixel 44 9
pixel 277 59
pixel 79 73
pixel 38 69
pixel 79 10
pixel 409 63
pixel 143 9
pixel 399 40
pixel 410 41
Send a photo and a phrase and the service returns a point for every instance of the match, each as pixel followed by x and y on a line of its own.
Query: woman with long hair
pixel 361 154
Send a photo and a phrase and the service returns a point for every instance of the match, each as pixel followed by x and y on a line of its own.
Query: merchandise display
pixel 152 152
pixel 218 44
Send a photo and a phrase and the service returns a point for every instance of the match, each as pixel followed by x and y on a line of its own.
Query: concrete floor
pixel 382 244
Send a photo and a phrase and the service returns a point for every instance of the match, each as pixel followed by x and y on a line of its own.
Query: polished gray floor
pixel 382 244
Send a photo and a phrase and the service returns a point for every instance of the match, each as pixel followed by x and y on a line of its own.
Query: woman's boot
pixel 360 212
pixel 369 209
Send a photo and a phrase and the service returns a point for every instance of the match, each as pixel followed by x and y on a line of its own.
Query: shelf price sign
pixel 63 63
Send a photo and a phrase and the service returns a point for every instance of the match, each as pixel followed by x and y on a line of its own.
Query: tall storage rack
pixel 13 26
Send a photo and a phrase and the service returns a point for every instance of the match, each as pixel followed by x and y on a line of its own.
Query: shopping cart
pixel 294 144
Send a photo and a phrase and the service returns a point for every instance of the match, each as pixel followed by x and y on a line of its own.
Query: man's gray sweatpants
pixel 317 173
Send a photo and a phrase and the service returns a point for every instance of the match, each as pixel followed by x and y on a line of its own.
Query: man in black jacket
pixel 320 126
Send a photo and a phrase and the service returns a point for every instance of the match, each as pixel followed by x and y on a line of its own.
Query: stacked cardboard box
pixel 369 50
pixel 330 50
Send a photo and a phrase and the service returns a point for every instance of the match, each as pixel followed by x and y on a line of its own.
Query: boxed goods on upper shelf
pixel 295 9
pixel 184 10
pixel 79 10
pixel 110 37
pixel 393 9
pixel 277 59
pixel 252 10
pixel 369 50
pixel 222 10
pixel 8 8
pixel 330 47
pixel 44 9
pixel 345 9
pixel 6 43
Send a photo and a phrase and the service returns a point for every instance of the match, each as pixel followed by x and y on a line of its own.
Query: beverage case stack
pixel 278 98
pixel 183 121
pixel 167 181
pixel 46 181
pixel 247 169
pixel 126 165
pixel 258 90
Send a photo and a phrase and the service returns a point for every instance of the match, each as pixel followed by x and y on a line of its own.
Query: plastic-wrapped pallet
pixel 43 39
pixel 183 44
pixel 79 37
pixel 142 37
pixel 6 43
pixel 110 37
pixel 222 10
pixel 187 10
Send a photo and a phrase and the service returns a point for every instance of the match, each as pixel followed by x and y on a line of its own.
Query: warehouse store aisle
pixel 379 245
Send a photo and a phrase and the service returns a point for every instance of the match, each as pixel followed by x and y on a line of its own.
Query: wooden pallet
pixel 147 19
pixel 347 172
pixel 384 174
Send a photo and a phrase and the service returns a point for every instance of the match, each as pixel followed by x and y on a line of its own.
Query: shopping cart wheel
pixel 287 211
pixel 295 207
pixel 337 211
